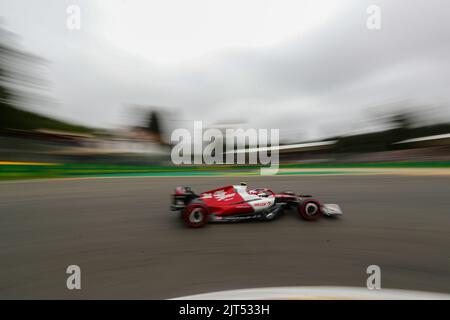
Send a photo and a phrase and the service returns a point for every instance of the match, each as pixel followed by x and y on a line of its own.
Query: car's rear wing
pixel 181 198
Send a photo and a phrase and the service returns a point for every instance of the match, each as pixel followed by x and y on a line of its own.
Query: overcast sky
pixel 310 68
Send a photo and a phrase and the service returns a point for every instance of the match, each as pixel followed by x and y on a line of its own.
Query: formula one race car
pixel 236 203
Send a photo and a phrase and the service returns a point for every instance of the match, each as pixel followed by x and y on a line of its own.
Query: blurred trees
pixel 19 85
pixel 402 125
pixel 7 96
pixel 153 124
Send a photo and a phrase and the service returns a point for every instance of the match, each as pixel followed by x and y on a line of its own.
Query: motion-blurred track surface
pixel 129 245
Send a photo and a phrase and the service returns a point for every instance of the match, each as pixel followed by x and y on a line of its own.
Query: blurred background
pixel 89 86
pixel 94 89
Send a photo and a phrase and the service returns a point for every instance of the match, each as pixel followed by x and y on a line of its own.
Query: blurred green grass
pixel 39 171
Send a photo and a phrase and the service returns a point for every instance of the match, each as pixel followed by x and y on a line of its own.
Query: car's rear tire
pixel 195 216
pixel 310 210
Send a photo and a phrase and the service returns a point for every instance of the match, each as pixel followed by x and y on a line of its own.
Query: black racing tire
pixel 195 216
pixel 310 209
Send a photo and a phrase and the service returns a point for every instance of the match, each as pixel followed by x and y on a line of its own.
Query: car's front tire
pixel 195 216
pixel 310 209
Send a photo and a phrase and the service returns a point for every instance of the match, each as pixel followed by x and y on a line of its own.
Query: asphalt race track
pixel 129 245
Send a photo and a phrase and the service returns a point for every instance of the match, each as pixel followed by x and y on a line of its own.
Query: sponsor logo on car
pixel 221 195
pixel 261 204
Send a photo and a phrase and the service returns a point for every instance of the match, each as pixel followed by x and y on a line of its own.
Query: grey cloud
pixel 326 78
